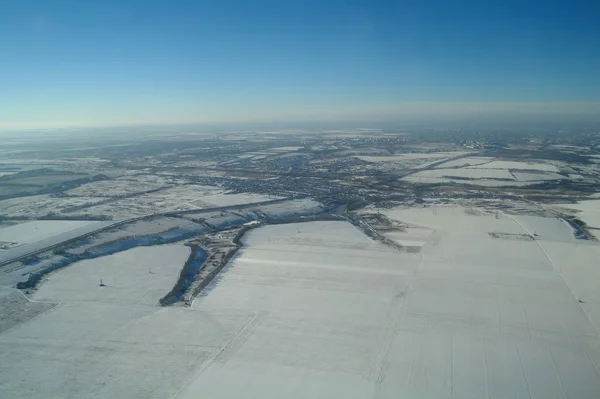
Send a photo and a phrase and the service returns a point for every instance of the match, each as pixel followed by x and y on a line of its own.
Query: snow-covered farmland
pixel 15 308
pixel 409 155
pixel 105 350
pixel 396 158
pixel 225 199
pixel 29 232
pixel 578 265
pixel 140 275
pixel 464 162
pixel 471 316
pixel 319 309
pixel 474 182
pixel 536 176
pixel 43 205
pixel 544 228
pixel 542 167
pixel 170 199
pixel 412 236
pixel 588 211
pixel 463 173
pixel 486 172
pixel 120 186
pixel 46 179
pixel 112 341
pixel 179 198
pixel 24 238
pixel 288 148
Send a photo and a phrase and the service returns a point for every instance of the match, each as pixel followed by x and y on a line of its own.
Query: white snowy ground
pixel 38 230
pixel 465 162
pixel 225 199
pixel 140 275
pixel 113 341
pixel 544 167
pixel 180 198
pixel 467 173
pixel 589 212
pixel 318 310
pixel 403 157
pixel 41 205
pixel 416 178
pixel 485 170
pixel 340 316
pixel 35 235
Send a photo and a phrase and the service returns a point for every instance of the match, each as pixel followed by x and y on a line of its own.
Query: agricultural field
pixel 588 211
pixel 29 232
pixel 21 239
pixel 492 174
pixel 354 263
pixel 426 180
pixel 120 186
pixel 542 167
pixel 97 343
pixel 465 162
pixel 43 180
pixel 181 198
pixel 411 160
pixel 489 172
pixel 536 176
pixel 467 303
pixel 38 206
pixel 137 276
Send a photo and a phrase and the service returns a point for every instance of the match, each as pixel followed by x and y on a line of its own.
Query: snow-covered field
pixel 120 186
pixel 552 229
pixel 464 162
pixel 486 171
pixel 543 167
pixel 180 198
pixel 467 173
pixel 318 309
pixel 32 236
pixel 104 350
pixel 410 156
pixel 140 275
pixel 537 176
pixel 46 179
pixel 589 211
pixel 578 265
pixel 42 205
pixel 113 341
pixel 471 316
pixel 224 199
pixel 412 237
pixel 476 182
pixel 169 199
pixel 323 293
pixel 38 230
pixel 289 148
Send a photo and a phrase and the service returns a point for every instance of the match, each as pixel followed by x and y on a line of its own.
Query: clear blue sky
pixel 108 62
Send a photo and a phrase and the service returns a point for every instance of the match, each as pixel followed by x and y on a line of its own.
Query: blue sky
pixel 106 62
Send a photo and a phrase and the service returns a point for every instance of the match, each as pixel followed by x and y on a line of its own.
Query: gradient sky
pixel 110 62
